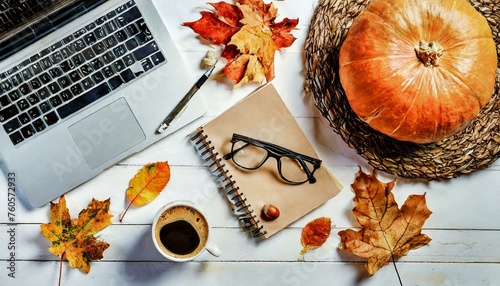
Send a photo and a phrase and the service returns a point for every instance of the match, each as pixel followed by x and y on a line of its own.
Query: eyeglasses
pixel 293 168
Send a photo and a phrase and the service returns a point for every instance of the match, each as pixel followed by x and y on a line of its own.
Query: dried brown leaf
pixel 387 231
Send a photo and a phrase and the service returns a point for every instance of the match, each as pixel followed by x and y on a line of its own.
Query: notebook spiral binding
pixel 243 210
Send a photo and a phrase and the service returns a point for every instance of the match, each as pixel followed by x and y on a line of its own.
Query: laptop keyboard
pixel 15 12
pixel 76 71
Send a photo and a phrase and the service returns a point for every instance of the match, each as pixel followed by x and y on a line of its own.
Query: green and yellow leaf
pixel 74 239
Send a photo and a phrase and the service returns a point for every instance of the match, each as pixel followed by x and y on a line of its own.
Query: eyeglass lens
pixel 249 156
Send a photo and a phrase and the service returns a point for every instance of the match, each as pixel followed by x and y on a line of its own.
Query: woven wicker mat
pixel 474 148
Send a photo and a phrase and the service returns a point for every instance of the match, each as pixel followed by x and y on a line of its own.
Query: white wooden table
pixel 464 226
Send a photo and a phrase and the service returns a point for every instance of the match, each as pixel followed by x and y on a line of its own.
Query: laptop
pixel 83 85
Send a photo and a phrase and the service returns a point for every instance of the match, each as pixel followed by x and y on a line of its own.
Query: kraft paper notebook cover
pixel 263 116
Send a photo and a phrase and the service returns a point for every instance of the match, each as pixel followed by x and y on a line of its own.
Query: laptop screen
pixel 22 22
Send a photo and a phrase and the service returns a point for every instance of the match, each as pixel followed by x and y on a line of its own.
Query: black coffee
pixel 179 237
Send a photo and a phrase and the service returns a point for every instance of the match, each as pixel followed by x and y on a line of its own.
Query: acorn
pixel 270 212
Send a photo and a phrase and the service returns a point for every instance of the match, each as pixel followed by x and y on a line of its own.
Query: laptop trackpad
pixel 107 133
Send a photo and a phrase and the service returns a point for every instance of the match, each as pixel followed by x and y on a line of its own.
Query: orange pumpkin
pixel 418 70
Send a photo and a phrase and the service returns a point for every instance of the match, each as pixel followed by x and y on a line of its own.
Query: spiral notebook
pixel 264 116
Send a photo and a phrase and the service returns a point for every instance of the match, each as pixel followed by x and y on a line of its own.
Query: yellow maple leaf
pixel 251 16
pixel 256 40
pixel 74 239
pixel 266 12
pixel 253 72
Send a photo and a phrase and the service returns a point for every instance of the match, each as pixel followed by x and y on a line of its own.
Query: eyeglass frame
pixel 276 152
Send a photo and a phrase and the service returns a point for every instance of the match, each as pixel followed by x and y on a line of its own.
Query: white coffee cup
pixel 180 232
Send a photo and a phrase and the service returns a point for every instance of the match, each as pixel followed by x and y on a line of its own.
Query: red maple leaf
pixel 212 28
pixel 229 13
pixel 281 32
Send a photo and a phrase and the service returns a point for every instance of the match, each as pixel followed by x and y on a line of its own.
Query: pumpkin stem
pixel 429 53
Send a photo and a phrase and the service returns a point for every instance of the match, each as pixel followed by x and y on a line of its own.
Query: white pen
pixel 181 106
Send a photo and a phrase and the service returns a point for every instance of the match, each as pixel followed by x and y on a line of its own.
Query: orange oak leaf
pixel 249 33
pixel 315 233
pixel 74 239
pixel 387 231
pixel 147 184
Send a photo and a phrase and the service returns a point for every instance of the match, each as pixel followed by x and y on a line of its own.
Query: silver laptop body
pixel 63 147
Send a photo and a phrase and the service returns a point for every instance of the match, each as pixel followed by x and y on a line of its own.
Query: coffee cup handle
pixel 213 249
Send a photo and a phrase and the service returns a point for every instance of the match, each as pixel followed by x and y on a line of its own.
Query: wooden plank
pixel 252 273
pixel 133 243
pixel 196 183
